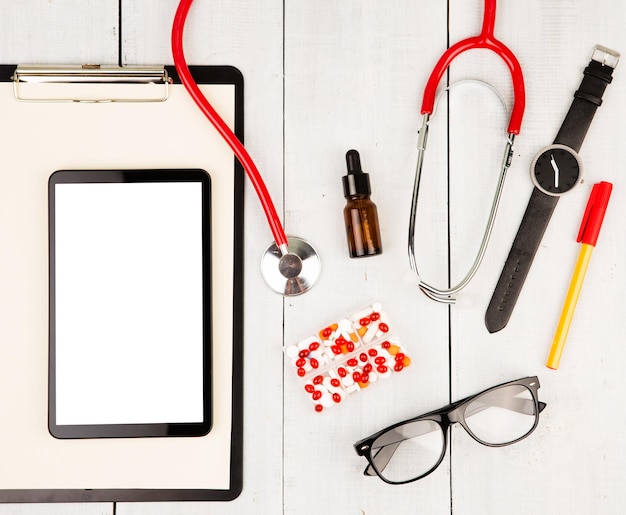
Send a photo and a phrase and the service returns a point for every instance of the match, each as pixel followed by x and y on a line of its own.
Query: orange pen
pixel 588 235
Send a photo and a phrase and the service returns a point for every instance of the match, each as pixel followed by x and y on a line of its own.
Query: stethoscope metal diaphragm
pixel 292 273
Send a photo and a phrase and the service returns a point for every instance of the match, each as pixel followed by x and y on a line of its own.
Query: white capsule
pixel 373 377
pixel 317 354
pixel 346 336
pixel 384 353
pixel 344 325
pixel 347 381
pixel 326 400
pixel 304 344
pixel 377 306
pixel 369 336
pixel 329 386
pixel 352 388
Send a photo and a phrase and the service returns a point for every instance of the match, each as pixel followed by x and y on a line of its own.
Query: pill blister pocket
pixel 347 356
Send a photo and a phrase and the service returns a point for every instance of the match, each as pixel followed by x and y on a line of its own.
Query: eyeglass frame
pixel 445 417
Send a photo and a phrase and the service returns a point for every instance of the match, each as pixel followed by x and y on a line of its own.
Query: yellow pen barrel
pixel 569 306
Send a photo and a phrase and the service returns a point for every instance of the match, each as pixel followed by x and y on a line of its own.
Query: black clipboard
pixel 23 399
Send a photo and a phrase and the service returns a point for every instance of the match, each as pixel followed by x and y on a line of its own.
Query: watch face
pixel 556 169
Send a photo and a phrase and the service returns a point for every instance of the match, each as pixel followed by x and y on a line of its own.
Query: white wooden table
pixel 325 76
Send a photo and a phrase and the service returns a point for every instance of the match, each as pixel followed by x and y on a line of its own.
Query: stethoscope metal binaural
pixel 291 265
pixel 484 40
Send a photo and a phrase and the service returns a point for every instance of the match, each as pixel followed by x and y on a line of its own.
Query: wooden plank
pixel 354 77
pixel 574 459
pixel 45 31
pixel 249 37
pixel 39 31
pixel 57 509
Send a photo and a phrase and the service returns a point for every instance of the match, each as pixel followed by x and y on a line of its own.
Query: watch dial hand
pixel 556 171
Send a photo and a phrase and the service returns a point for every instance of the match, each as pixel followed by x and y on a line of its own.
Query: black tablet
pixel 130 303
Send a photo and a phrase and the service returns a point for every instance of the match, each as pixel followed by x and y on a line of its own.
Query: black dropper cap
pixel 356 182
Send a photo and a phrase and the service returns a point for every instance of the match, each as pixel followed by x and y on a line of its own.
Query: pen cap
pixel 594 213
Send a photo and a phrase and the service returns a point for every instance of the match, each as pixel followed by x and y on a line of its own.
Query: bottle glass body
pixel 362 230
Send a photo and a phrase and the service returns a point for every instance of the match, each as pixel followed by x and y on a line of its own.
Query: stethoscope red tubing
pixel 237 147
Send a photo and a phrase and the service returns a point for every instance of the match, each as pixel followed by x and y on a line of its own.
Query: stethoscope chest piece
pixel 294 272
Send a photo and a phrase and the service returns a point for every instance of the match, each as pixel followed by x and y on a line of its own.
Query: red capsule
pixel 336 397
pixel 300 362
pixel 314 363
pixel 382 369
pixel 309 388
pixel 374 316
pixel 363 357
pixel 356 376
pixel 380 360
pixel 304 353
pixel 319 408
pixel 398 366
pixel 342 372
pixel 364 321
pixel 399 356
pixel 372 352
pixel 336 349
pixel 350 346
pixel 327 332
pixel 301 372
pixel 352 362
pixel 383 327
pixel 335 382
pixel 367 368
pixel 385 345
pixel 318 379
pixel 341 341
pixel 365 378
pixel 314 346
pixel 317 395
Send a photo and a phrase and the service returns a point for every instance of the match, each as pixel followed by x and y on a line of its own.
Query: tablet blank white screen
pixel 129 313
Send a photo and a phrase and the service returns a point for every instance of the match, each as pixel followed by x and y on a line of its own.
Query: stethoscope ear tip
pixel 292 273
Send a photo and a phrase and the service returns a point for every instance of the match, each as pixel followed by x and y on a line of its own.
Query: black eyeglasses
pixel 412 449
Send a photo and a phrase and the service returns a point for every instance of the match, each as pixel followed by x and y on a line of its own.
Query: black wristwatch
pixel 555 170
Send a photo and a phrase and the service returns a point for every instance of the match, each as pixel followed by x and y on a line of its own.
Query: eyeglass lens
pixel 408 451
pixel 413 449
pixel 501 416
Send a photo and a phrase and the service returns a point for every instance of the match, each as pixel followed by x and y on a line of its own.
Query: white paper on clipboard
pixel 39 138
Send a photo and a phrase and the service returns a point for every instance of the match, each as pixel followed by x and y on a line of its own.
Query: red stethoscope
pixel 290 265
pixel 484 40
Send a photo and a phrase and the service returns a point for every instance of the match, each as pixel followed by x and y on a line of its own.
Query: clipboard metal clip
pixel 66 83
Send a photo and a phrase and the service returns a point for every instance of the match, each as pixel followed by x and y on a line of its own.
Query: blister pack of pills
pixel 347 356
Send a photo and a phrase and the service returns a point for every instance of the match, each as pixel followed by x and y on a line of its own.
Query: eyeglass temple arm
pixel 382 458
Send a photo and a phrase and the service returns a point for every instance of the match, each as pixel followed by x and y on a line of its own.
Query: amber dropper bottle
pixel 360 213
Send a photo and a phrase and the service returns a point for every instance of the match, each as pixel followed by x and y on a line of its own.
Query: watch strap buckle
pixel 605 56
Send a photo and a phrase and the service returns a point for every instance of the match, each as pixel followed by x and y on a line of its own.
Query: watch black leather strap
pixel 517 264
pixel 587 99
